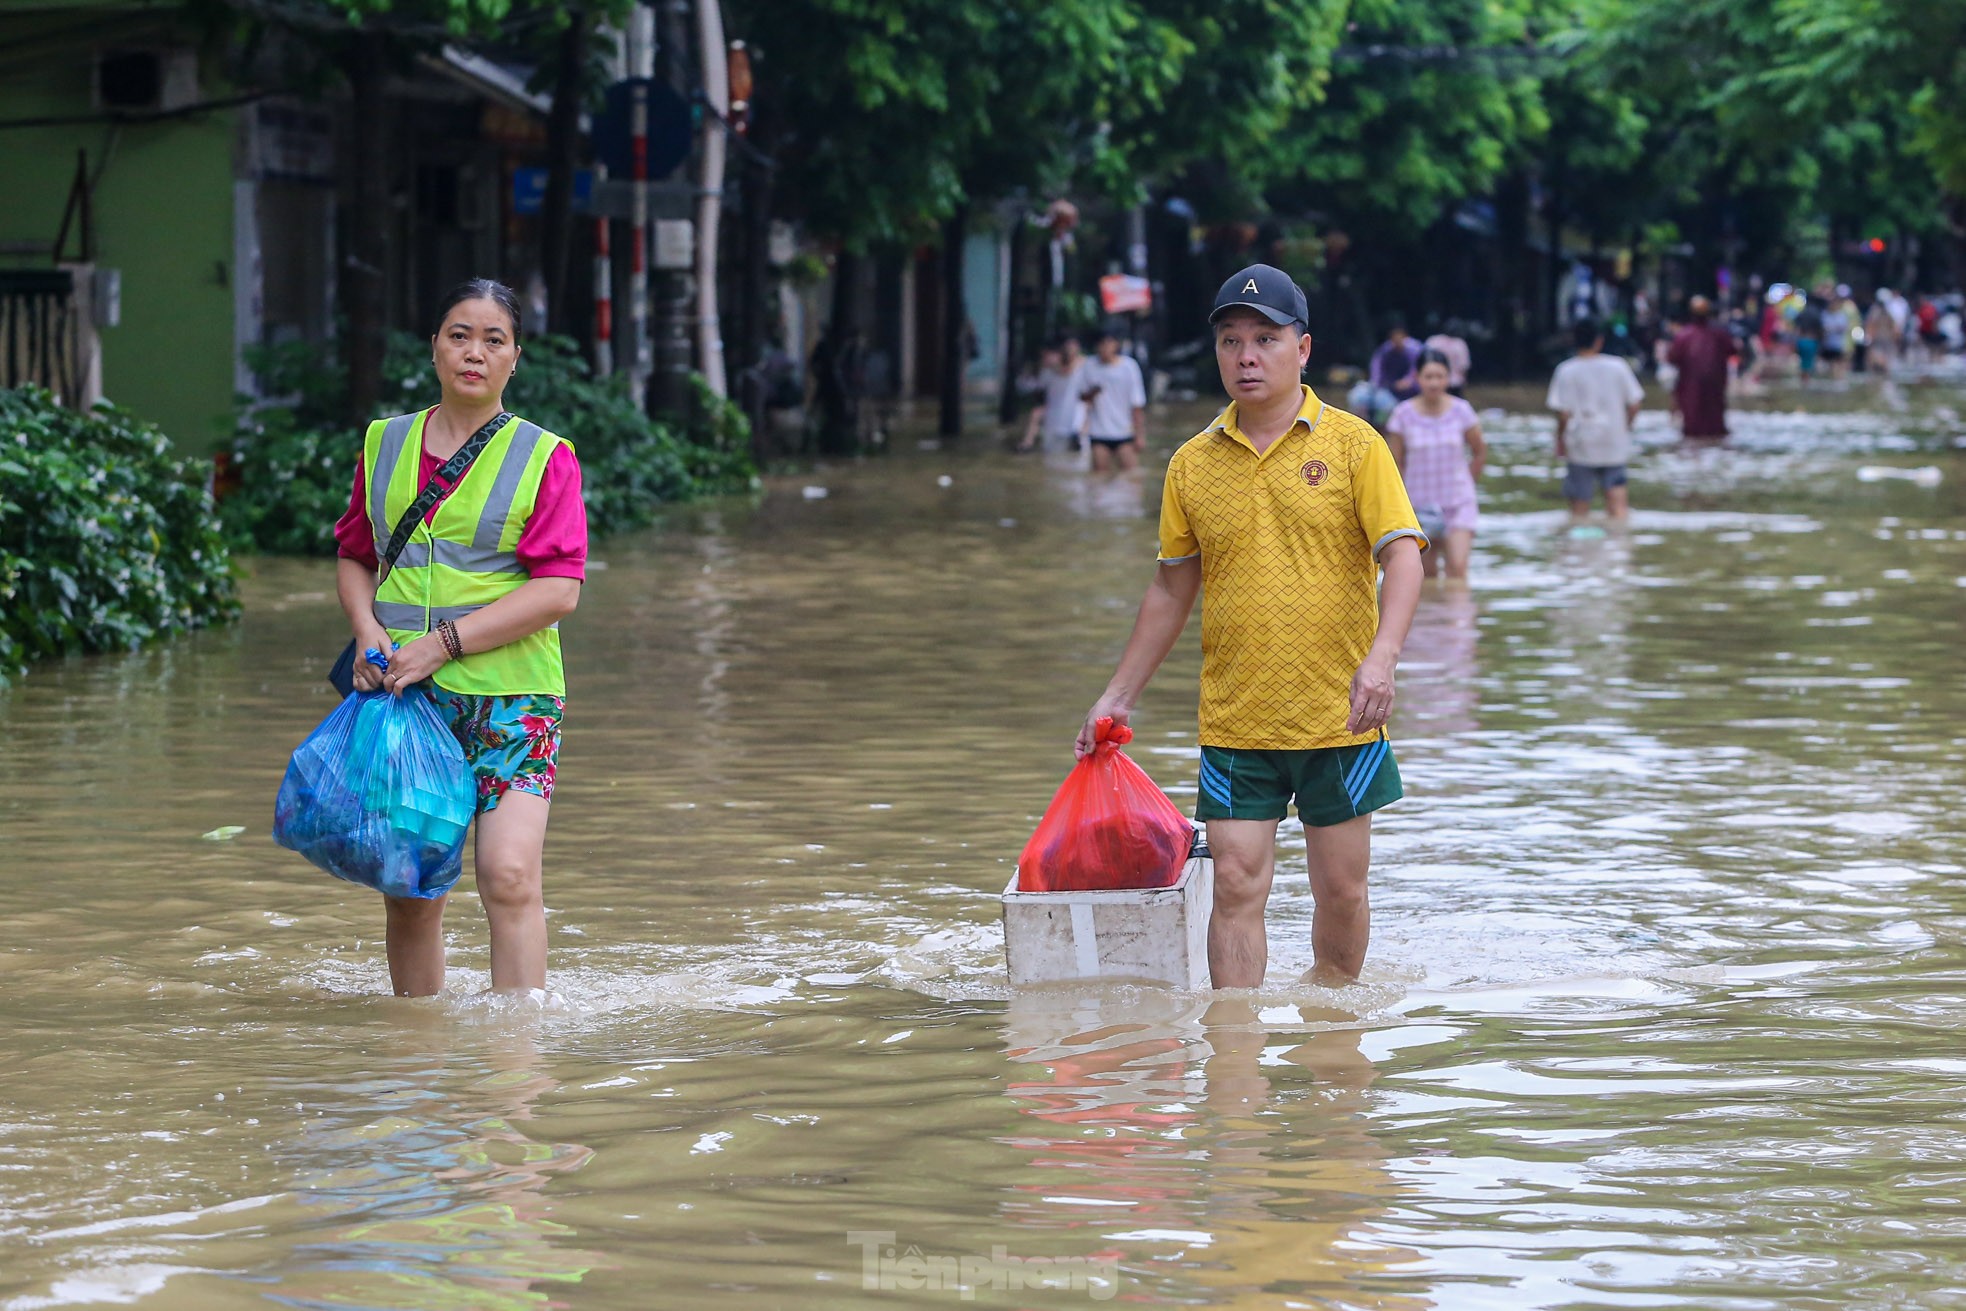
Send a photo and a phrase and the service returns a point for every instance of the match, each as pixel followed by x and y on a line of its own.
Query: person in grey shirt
pixel 1596 397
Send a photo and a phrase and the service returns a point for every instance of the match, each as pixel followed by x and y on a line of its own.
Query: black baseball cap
pixel 1267 290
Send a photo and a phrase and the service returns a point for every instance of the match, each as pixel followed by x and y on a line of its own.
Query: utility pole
pixel 674 301
pixel 710 190
pixel 641 60
pixel 365 274
pixel 955 319
pixel 603 284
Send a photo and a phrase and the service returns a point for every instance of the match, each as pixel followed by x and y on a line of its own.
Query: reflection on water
pixel 1230 1147
pixel 432 1199
pixel 1439 687
pixel 1120 496
pixel 1661 1009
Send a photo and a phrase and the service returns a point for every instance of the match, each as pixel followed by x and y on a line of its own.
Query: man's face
pixel 1109 349
pixel 1397 337
pixel 1260 360
pixel 1072 352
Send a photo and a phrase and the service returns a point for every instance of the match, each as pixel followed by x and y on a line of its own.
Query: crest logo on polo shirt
pixel 1315 472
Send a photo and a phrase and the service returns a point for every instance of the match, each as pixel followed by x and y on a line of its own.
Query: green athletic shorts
pixel 1329 784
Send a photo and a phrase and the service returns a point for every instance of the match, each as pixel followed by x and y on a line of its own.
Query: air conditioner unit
pixel 146 79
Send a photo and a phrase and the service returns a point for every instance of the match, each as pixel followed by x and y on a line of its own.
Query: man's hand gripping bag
pixel 1108 827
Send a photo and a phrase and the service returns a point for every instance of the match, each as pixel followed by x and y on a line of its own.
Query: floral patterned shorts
pixel 512 743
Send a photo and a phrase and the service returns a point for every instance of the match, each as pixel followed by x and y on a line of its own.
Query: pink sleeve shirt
pixel 553 544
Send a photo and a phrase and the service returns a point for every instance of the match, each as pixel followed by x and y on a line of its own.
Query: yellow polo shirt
pixel 1289 542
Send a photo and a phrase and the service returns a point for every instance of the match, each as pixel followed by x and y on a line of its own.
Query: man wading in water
pixel 1280 514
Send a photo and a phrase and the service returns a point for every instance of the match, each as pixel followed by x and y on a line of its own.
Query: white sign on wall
pixel 675 244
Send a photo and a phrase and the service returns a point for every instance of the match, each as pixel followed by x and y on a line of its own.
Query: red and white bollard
pixel 603 285
pixel 641 54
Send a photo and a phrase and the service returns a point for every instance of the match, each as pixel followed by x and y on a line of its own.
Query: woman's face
pixel 474 351
pixel 1433 381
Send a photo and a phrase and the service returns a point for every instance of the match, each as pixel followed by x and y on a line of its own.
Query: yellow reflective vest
pixel 465 557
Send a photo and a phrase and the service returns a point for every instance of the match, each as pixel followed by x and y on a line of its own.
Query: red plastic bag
pixel 1108 827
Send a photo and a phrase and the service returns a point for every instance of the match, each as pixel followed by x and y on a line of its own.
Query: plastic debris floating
pixel 1924 475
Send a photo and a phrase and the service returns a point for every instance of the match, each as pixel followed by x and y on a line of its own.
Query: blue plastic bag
pixel 380 795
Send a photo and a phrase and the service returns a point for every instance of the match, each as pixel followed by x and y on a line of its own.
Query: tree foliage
pixel 1801 110
pixel 106 540
pixel 887 115
pixel 1429 102
pixel 1864 58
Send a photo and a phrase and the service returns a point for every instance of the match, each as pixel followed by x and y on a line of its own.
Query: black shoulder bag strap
pixel 342 676
pixel 446 477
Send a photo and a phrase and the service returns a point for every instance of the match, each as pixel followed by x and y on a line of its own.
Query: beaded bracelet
pixel 447 634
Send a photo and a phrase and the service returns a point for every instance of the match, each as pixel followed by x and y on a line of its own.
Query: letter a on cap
pixel 1249 285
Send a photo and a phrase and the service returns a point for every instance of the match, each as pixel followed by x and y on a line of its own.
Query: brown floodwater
pixel 1663 1007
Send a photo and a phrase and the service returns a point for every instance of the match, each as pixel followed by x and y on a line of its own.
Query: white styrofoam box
pixel 1151 935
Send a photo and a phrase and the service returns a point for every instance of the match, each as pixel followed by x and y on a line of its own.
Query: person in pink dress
pixel 1436 440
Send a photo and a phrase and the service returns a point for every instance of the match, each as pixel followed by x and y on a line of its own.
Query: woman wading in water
pixel 1437 442
pixel 474 597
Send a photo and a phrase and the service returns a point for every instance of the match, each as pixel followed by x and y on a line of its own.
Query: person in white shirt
pixel 1596 397
pixel 1115 396
pixel 1060 414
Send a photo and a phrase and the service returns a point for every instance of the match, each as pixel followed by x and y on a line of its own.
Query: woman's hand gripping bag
pixel 380 795
pixel 1108 827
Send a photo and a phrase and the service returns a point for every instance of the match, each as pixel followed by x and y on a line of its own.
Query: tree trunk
pixel 754 310
pixel 832 363
pixel 843 318
pixel 1015 345
pixel 1550 312
pixel 1955 212
pixel 955 321
pixel 562 146
pixel 1511 282
pixel 365 270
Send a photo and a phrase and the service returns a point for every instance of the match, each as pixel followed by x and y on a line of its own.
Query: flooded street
pixel 1663 1006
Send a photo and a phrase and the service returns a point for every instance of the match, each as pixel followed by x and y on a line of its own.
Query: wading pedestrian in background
pixel 1701 352
pixel 1059 415
pixel 1881 340
pixel 1833 332
pixel 1808 334
pixel 1279 515
pixel 474 596
pixel 1436 441
pixel 1391 372
pixel 1596 398
pixel 1115 398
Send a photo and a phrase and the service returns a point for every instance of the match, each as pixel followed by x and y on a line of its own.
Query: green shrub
pixel 295 460
pixel 105 540
pixel 291 485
